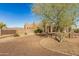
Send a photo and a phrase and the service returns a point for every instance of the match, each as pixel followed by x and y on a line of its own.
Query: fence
pixel 6 32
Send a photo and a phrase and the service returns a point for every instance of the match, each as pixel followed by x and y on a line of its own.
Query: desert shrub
pixel 76 30
pixel 38 30
pixel 16 35
pixel 25 33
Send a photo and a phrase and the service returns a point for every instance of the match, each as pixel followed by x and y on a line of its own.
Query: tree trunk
pixel 51 29
pixel 70 33
pixel 62 37
pixel 0 32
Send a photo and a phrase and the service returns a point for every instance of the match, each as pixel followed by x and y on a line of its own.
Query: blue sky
pixel 17 14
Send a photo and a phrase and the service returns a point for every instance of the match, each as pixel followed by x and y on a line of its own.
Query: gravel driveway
pixel 25 46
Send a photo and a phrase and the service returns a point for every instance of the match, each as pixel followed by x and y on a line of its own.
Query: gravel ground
pixel 25 46
pixel 68 46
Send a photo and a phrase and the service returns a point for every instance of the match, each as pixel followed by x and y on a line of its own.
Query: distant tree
pixel 2 25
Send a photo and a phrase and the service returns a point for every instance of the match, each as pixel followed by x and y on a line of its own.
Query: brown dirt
pixel 69 46
pixel 25 46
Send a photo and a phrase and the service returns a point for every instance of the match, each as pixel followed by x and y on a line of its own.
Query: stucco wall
pixel 20 31
pixel 6 32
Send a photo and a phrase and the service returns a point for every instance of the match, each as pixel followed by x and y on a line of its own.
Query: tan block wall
pixel 20 31
pixel 17 31
pixel 6 32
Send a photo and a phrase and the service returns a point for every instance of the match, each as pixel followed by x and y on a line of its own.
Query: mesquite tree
pixel 62 15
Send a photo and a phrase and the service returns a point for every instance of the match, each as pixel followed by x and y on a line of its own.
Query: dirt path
pixel 26 46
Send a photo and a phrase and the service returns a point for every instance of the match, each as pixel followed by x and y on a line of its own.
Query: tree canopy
pixel 62 15
pixel 2 25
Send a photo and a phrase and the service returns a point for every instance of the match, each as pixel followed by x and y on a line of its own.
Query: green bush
pixel 76 30
pixel 16 35
pixel 25 33
pixel 38 30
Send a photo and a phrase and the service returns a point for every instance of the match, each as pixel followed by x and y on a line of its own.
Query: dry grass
pixel 67 46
